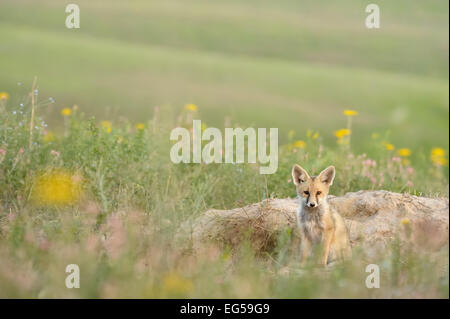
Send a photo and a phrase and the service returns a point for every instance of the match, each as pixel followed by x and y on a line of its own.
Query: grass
pixel 105 196
pixel 167 57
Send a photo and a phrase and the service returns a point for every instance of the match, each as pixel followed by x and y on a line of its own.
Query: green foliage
pixel 295 65
pixel 121 230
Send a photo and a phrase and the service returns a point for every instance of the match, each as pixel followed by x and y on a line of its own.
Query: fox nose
pixel 312 204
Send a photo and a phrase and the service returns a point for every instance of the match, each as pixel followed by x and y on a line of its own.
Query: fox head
pixel 313 190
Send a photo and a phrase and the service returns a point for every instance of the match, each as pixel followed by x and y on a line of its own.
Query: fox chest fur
pixel 311 223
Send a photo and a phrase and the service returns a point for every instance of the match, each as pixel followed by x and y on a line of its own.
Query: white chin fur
pixel 302 201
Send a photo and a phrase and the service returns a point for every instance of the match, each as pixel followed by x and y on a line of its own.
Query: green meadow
pixel 290 64
pixel 85 172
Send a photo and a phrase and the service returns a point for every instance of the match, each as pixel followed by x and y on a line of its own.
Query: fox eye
pixel 306 192
pixel 319 192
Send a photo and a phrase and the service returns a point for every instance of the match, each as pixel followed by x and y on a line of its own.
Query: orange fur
pixel 320 226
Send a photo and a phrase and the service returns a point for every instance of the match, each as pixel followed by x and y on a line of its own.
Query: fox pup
pixel 320 225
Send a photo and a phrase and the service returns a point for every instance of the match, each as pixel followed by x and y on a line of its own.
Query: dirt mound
pixel 373 219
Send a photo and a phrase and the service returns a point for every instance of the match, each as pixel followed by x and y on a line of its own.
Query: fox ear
pixel 299 175
pixel 327 175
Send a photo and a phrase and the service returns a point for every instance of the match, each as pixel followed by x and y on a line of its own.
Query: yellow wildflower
pixel 312 134
pixel 405 221
pixel 58 187
pixel 49 137
pixel 140 126
pixel 300 144
pixel 4 96
pixel 342 132
pixel 66 112
pixel 191 107
pixel 438 156
pixel 404 152
pixel 437 151
pixel 350 113
pixel 389 146
pixel 177 285
pixel 438 160
pixel 226 256
pixel 107 126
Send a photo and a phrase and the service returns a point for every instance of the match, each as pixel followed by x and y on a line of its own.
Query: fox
pixel 322 229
